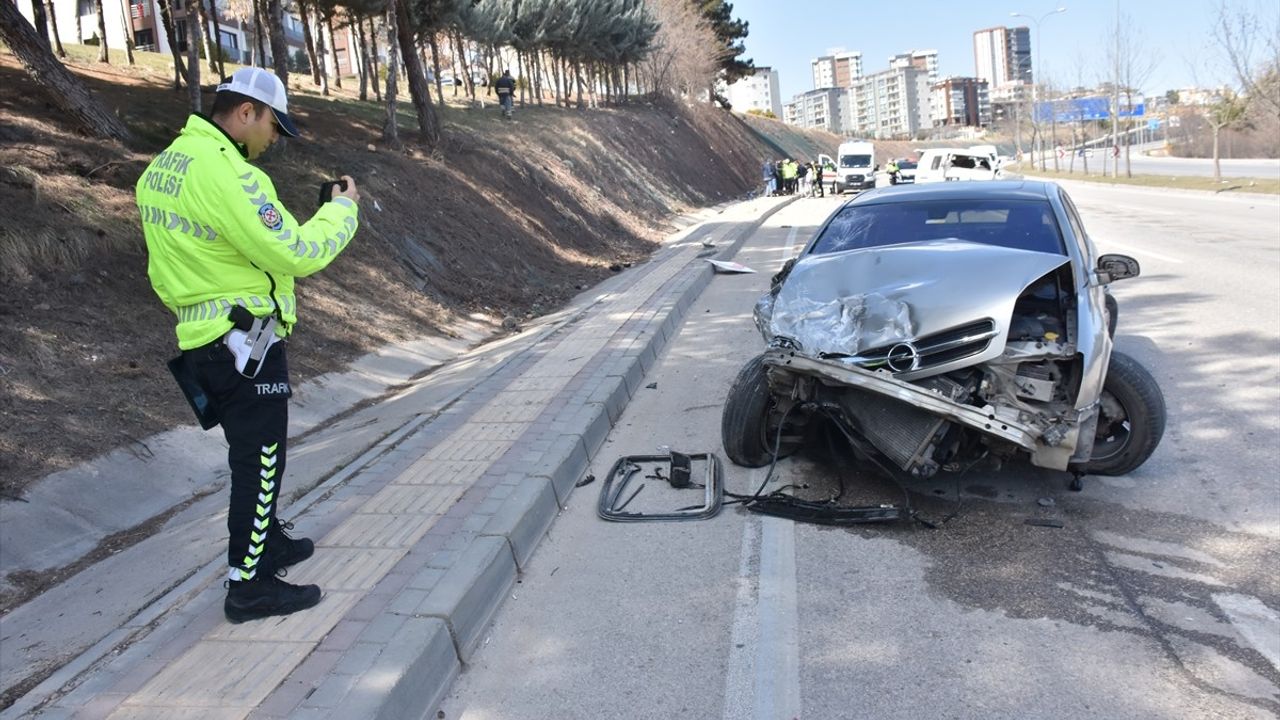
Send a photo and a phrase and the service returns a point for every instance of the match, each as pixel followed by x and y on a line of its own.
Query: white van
pixel 944 164
pixel 990 152
pixel 856 166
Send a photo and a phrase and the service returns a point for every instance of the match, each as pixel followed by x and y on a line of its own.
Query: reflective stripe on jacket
pixel 218 236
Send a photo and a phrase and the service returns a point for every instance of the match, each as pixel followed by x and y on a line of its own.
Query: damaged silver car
pixel 939 324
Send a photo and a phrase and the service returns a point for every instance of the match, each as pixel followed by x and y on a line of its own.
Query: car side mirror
pixel 1116 267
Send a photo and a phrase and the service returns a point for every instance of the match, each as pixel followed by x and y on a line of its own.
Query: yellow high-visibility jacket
pixel 217 236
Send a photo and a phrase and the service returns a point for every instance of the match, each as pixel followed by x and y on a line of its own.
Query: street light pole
pixel 1037 68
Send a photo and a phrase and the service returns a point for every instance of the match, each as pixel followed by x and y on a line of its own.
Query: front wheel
pixel 750 420
pixel 837 188
pixel 1131 420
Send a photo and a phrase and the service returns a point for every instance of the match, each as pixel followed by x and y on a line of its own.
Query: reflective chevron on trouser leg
pixel 262 513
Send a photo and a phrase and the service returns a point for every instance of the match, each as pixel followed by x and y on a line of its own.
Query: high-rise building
pixel 960 101
pixel 926 60
pixel 1002 56
pixel 890 104
pixel 836 70
pixel 823 109
pixel 758 91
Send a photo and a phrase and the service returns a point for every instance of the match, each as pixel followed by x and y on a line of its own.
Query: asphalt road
pixel 1158 597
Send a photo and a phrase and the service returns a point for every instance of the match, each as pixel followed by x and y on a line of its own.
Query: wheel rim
pixel 1114 428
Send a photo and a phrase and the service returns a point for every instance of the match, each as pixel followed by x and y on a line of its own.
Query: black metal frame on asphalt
pixel 627 466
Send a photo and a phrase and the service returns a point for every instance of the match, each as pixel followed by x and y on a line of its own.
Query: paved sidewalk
pixel 419 539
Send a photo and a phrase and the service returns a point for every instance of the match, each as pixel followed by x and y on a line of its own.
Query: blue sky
pixel 787 34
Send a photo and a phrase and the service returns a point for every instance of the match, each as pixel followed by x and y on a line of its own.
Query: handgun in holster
pixel 249 339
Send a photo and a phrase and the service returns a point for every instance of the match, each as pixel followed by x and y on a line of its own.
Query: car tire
pixel 748 421
pixel 1113 314
pixel 838 188
pixel 1131 420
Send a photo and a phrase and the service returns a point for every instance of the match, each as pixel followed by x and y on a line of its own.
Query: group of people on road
pixel 789 177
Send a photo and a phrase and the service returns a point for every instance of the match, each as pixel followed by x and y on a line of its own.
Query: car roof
pixel 974 190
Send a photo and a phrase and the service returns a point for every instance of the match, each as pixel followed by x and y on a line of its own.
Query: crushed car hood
pixel 847 303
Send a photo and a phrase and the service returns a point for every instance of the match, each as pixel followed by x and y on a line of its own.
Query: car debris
pixel 678 474
pixel 727 266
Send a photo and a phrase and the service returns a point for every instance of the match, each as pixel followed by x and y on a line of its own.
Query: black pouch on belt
pixel 203 406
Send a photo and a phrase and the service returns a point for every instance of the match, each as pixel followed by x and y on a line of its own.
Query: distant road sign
pixel 1086 108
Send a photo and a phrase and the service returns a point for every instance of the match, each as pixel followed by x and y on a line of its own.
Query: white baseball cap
pixel 264 86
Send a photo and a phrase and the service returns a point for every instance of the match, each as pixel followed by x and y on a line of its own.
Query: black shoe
pixel 284 550
pixel 265 596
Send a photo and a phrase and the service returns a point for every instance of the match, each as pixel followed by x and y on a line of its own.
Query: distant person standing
pixel 817 180
pixel 802 175
pixel 770 180
pixel 506 87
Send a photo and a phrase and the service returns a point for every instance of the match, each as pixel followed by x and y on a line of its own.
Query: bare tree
pixel 179 67
pixel 279 50
pixel 1133 64
pixel 102 33
pixel 64 90
pixel 390 134
pixel 684 55
pixel 1228 112
pixel 128 33
pixel 41 22
pixel 193 55
pixel 53 24
pixel 419 90
pixel 1250 43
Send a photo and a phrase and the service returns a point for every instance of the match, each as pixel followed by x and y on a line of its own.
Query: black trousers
pixel 255 421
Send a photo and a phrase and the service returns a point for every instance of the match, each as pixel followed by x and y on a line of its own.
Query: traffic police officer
pixel 219 242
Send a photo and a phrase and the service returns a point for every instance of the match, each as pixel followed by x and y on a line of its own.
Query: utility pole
pixel 1115 102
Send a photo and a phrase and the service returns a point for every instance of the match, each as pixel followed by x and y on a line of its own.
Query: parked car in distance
pixel 939 325
pixel 947 164
pixel 906 172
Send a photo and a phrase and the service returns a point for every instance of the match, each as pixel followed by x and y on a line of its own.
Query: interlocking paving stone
pixel 219 674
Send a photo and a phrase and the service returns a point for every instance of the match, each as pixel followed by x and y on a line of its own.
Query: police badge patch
pixel 270 217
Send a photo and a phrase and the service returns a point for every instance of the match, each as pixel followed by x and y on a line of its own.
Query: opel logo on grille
pixel 903 357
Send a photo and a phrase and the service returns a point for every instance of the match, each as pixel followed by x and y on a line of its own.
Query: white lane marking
pixel 1257 623
pixel 777 668
pixel 740 675
pixel 791 244
pixel 1141 252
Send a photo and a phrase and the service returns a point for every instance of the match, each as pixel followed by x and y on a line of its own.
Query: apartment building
pixel 758 91
pixel 926 60
pixel 960 101
pixel 1002 56
pixel 823 108
pixel 140 20
pixel 890 104
pixel 837 70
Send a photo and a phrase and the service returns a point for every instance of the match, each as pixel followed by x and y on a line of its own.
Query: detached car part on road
pixel 938 324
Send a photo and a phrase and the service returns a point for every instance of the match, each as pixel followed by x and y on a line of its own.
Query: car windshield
pixel 855 161
pixel 1020 224
pixel 906 165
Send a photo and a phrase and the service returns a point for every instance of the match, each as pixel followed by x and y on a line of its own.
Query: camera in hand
pixel 326 189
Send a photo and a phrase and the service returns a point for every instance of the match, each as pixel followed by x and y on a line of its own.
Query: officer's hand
pixel 351 193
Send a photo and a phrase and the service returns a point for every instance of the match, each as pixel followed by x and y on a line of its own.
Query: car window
pixel 1077 226
pixel 1020 224
pixel 855 161
pixel 937 162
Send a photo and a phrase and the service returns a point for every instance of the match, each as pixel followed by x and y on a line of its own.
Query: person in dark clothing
pixel 506 87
